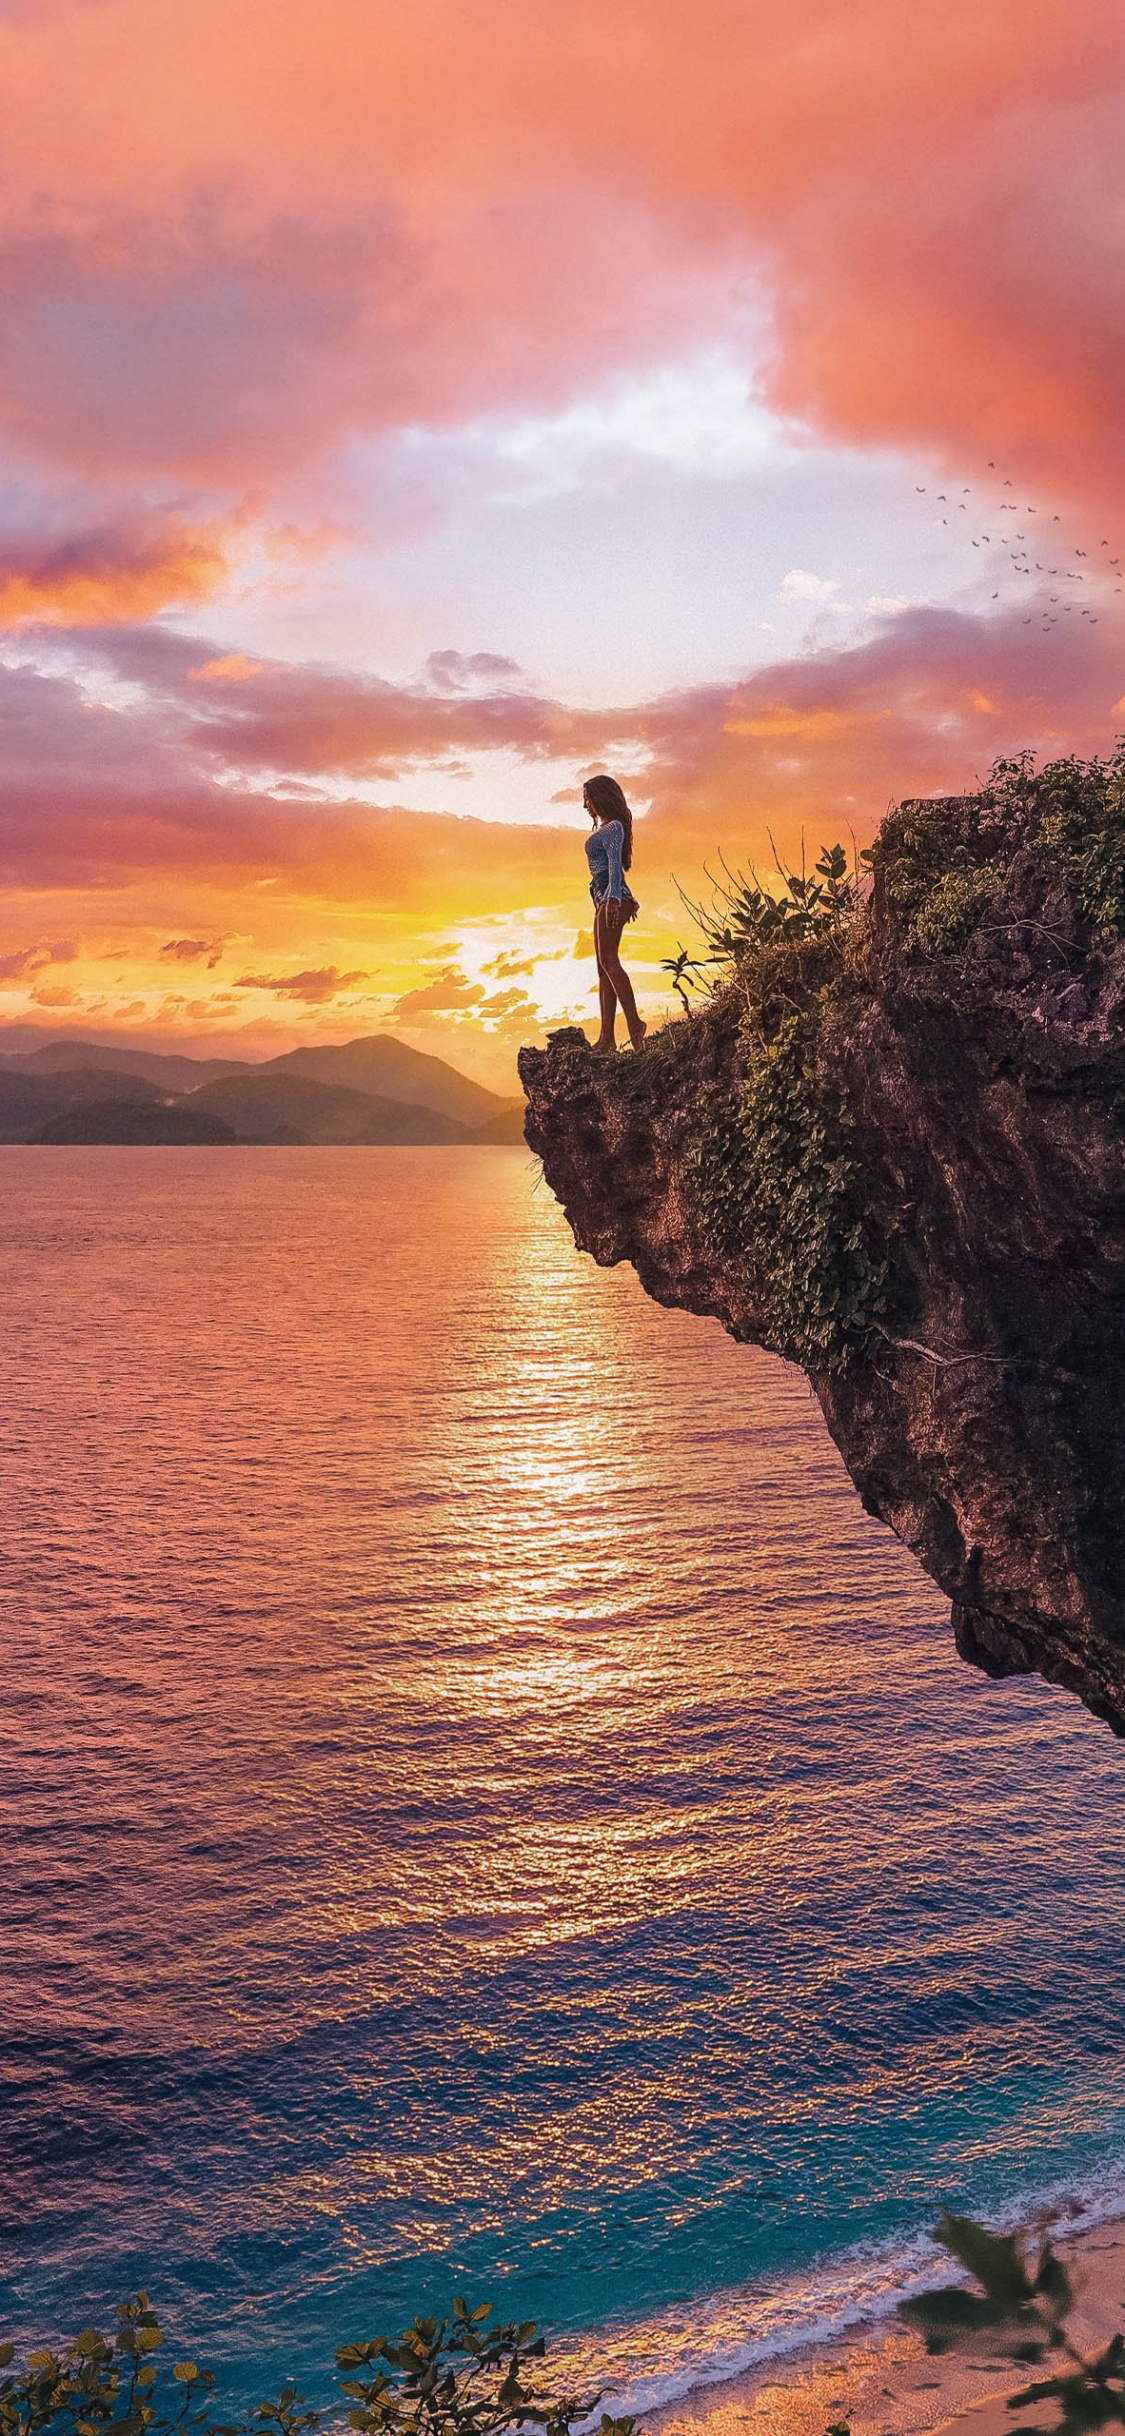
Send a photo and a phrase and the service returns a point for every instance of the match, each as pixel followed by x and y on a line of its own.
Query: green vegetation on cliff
pixel 780 1181
pixel 779 1186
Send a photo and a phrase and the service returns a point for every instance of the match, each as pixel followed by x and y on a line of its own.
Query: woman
pixel 609 852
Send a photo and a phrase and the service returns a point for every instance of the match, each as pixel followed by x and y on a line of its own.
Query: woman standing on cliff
pixel 609 851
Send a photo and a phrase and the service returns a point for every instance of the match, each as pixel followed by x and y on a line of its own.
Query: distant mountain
pixel 265 1105
pixel 375 1063
pixel 507 1127
pixel 167 1073
pixel 144 1122
pixel 28 1101
pixel 390 1070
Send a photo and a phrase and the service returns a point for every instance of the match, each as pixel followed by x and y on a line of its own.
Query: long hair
pixel 605 797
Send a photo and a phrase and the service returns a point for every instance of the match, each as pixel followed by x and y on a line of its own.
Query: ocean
pixel 484 1809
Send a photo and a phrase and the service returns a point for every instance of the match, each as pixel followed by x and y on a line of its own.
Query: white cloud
pixel 799 585
pixel 700 417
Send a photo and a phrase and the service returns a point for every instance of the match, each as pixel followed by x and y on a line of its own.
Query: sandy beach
pixel 882 2382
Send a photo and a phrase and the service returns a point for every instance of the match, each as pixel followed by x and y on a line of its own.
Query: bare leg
pixel 611 918
pixel 607 1000
pixel 607 995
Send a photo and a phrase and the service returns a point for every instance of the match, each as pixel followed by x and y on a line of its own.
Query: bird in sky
pixel 1015 544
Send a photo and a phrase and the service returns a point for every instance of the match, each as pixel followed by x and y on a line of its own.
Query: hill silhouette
pixel 166 1072
pixel 383 1068
pixel 265 1106
pixel 142 1122
pixel 392 1071
pixel 28 1101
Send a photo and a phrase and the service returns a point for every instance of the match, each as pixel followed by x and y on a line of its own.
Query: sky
pixel 408 408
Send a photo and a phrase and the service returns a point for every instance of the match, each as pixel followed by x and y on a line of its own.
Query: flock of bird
pixel 1018 547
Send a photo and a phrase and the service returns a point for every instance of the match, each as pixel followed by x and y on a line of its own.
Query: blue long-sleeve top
pixel 603 852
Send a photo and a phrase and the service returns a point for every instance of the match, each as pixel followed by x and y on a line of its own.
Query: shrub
pixel 944 863
pixel 442 2377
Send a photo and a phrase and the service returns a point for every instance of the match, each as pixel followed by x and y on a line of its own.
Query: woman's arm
pixel 613 838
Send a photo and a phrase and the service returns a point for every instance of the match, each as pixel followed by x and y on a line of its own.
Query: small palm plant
pixel 683 969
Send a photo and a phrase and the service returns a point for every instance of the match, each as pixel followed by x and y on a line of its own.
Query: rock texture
pixel 986 1422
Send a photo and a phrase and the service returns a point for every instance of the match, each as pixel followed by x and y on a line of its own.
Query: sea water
pixel 484 1809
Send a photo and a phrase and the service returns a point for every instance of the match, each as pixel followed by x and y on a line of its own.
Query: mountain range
pixel 371 1090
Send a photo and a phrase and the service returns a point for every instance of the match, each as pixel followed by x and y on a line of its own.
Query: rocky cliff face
pixel 967 1050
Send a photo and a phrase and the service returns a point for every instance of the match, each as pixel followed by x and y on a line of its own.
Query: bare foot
pixel 604 1048
pixel 637 1035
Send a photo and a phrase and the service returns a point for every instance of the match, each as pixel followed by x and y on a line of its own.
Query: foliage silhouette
pixel 1021 2308
pixel 441 2377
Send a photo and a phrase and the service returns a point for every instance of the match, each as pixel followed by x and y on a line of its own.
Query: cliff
pixel 889 1145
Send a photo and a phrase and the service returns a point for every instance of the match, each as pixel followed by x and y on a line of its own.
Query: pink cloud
pixel 261 236
pixel 173 785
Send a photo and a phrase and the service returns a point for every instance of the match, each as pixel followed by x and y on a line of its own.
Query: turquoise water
pixel 484 1807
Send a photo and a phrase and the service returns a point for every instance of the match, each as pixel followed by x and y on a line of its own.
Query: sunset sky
pixel 409 406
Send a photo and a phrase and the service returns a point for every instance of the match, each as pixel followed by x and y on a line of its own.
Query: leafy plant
pixel 1022 2307
pixel 744 915
pixel 118 2385
pixel 953 909
pixel 442 2377
pixel 450 2377
pixel 683 969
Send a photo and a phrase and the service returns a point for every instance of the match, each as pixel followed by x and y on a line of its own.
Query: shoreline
pixel 877 2376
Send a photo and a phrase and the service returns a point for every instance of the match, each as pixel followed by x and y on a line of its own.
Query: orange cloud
pixel 314 989
pixel 109 577
pixel 232 669
pixel 193 951
pixel 24 962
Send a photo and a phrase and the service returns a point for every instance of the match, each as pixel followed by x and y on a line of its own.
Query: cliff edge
pixel 889 1145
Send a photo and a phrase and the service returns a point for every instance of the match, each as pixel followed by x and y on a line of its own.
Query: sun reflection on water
pixel 484 1804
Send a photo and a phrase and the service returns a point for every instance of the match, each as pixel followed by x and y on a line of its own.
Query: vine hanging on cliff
pixel 780 1190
